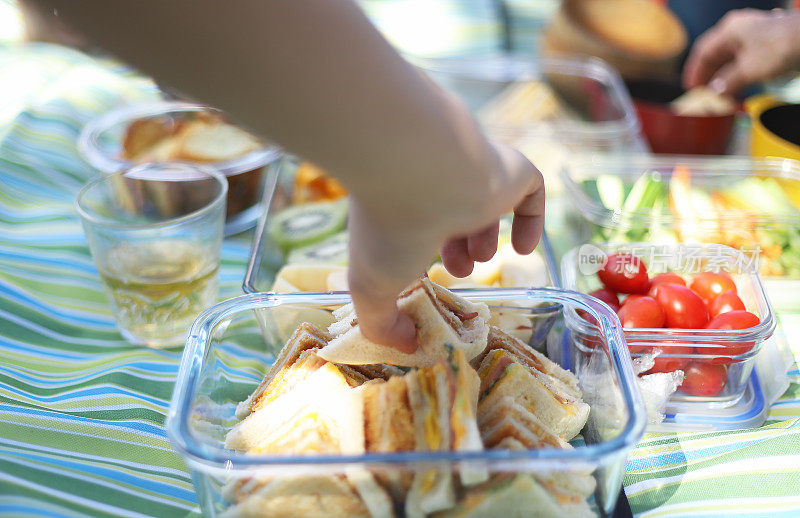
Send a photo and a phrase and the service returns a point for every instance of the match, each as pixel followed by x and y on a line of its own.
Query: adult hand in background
pixel 745 47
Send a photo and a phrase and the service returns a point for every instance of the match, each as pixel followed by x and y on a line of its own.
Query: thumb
pixel 730 79
pixel 382 263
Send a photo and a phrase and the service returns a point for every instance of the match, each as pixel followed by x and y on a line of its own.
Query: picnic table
pixel 82 411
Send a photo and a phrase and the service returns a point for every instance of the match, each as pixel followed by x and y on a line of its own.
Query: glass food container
pixel 749 204
pixel 553 109
pixel 102 145
pixel 679 346
pixel 226 357
pixel 271 265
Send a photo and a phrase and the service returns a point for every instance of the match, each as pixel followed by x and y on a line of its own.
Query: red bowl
pixel 668 132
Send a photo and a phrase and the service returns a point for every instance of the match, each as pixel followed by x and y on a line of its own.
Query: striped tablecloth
pixel 81 411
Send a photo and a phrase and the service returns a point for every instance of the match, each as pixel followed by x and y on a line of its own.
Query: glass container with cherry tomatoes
pixel 703 307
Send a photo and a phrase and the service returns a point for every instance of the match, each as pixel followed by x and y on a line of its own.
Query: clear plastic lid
pixel 576 97
pixel 720 192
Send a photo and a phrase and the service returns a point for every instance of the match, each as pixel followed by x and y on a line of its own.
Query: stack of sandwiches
pixel 468 387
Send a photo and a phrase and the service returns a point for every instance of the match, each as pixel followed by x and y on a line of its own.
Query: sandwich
pixel 512 496
pixel 571 488
pixel 429 394
pixel 502 375
pixel 510 420
pixel 296 496
pixel 296 360
pixel 444 322
pixel 427 409
pixel 321 415
pixel 554 374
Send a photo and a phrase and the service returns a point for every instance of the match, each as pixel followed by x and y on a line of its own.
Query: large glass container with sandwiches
pixel 752 204
pixel 300 245
pixel 482 425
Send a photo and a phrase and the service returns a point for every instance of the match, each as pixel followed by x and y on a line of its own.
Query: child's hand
pixel 388 251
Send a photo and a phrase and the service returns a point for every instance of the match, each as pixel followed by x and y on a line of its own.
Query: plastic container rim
pixel 783 168
pixel 212 458
pixel 110 164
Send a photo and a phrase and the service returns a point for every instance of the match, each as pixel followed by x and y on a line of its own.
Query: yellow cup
pixel 765 143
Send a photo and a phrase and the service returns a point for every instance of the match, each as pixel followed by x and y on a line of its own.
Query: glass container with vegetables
pixel 701 307
pixel 749 204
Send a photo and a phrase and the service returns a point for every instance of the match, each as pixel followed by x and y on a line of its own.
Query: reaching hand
pixel 745 47
pixel 388 251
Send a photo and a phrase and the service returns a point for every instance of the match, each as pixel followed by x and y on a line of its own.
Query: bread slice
pixel 444 322
pixel 463 418
pixel 314 414
pixel 215 142
pixel 306 337
pixel 502 376
pixel 512 496
pixel 300 496
pixel 389 422
pixel 510 420
pixel 547 370
pixel 430 392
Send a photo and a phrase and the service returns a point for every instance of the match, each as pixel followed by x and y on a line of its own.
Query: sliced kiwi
pixel 306 224
pixel 331 251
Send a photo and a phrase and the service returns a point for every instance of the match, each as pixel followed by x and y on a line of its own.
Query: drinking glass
pixel 155 232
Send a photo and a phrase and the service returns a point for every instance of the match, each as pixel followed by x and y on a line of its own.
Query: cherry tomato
pixel 671 363
pixel 630 298
pixel 683 307
pixel 709 284
pixel 607 296
pixel 664 278
pixel 704 379
pixel 728 301
pixel 643 312
pixel 624 273
pixel 732 320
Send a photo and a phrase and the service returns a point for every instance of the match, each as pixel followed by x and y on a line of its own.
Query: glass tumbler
pixel 155 232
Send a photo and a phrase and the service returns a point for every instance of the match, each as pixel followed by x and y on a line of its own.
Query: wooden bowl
pixel 640 38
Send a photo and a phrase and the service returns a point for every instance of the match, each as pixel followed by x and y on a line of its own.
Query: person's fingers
pixel 710 52
pixel 456 258
pixel 528 224
pixel 482 245
pixel 730 79
pixel 382 263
